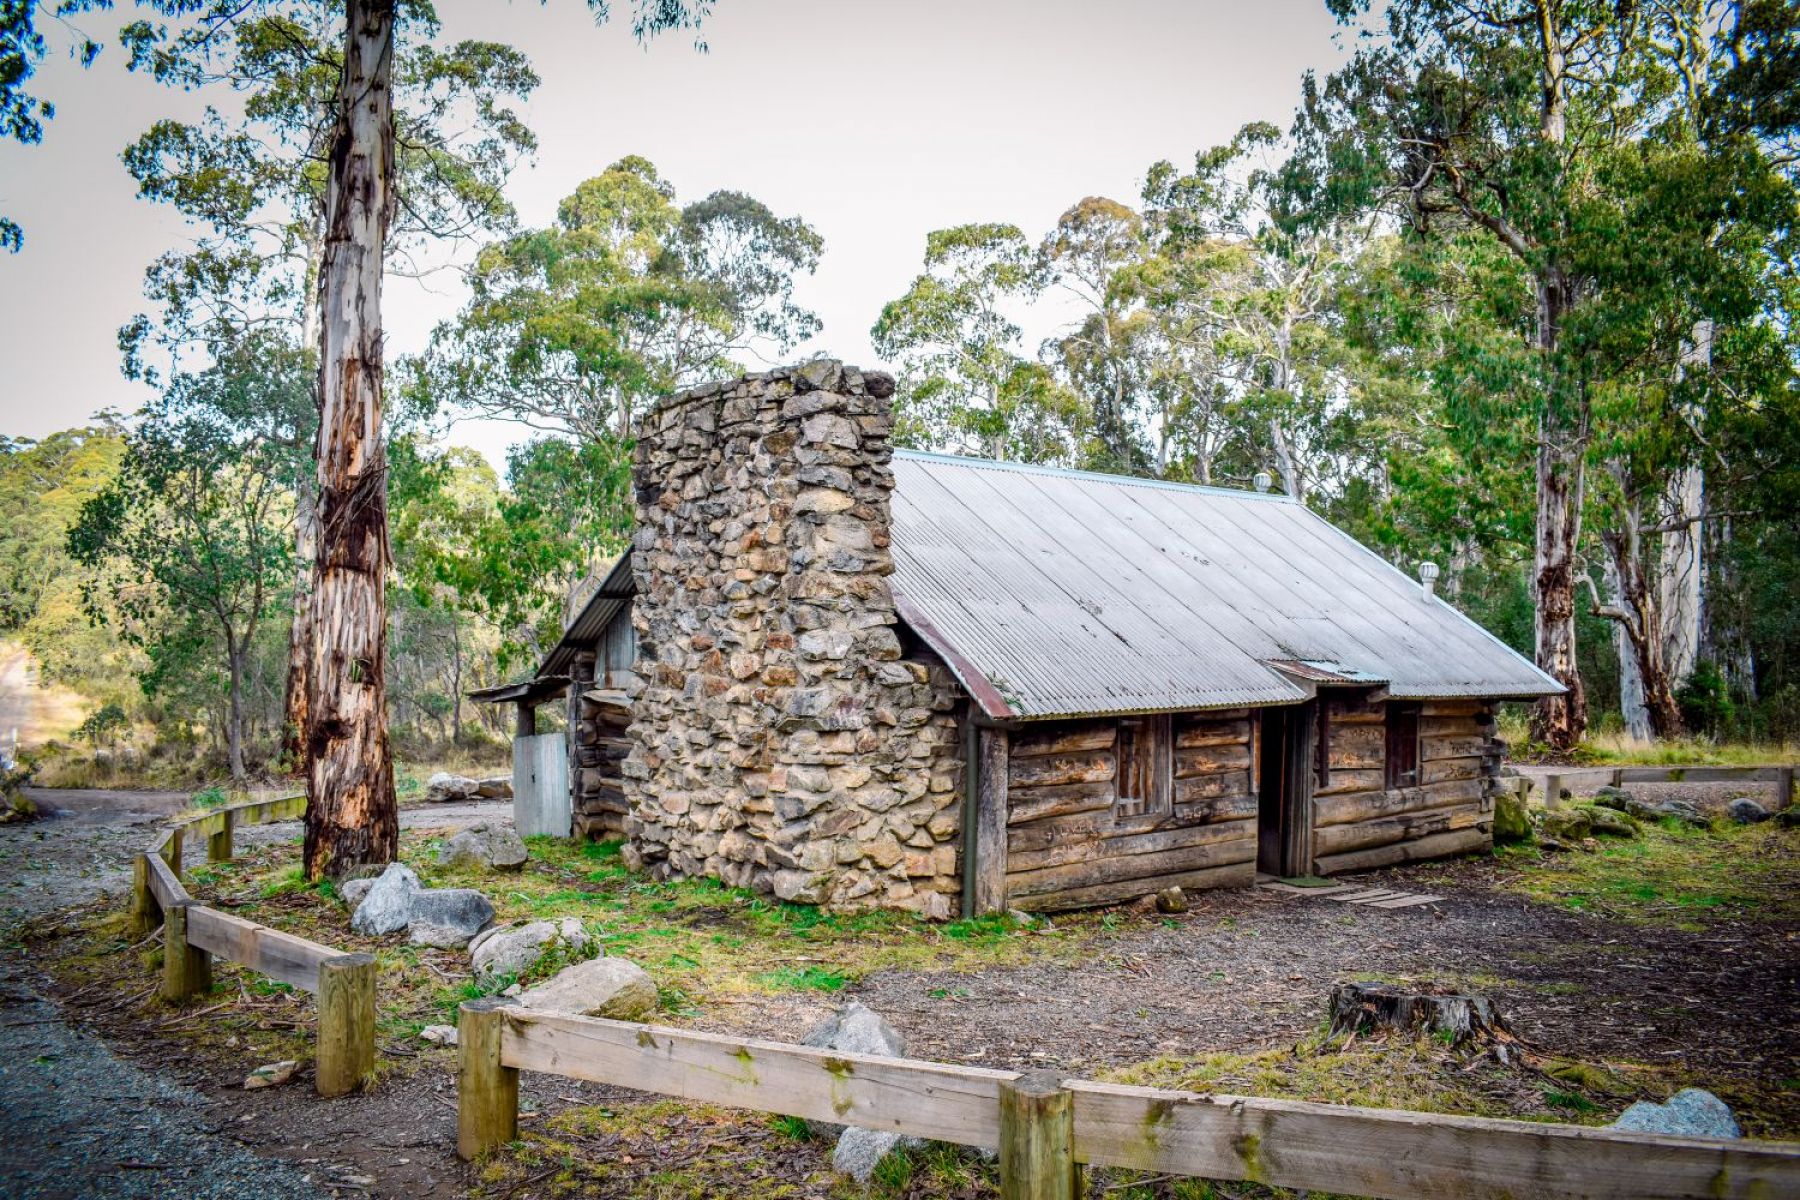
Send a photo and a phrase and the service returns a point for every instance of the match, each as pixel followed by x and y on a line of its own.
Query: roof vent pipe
pixel 1428 577
pixel 1262 481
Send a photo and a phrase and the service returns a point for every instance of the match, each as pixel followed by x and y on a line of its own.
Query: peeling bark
pixel 1562 449
pixel 351 816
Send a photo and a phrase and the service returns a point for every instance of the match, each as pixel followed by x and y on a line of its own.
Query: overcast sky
pixel 875 120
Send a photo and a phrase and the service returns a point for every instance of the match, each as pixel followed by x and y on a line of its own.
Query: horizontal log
pixel 935 1101
pixel 1698 774
pixel 1357 708
pixel 1048 769
pixel 1236 806
pixel 1203 715
pixel 1360 835
pixel 1409 1155
pixel 1455 746
pixel 1452 708
pixel 1443 726
pixel 1442 770
pixel 1208 787
pixel 163 885
pixel 1241 874
pixel 1187 850
pixel 1064 739
pixel 1025 805
pixel 1346 807
pixel 1354 746
pixel 1090 836
pixel 1195 734
pixel 1207 760
pixel 1438 845
pixel 1359 779
pixel 292 960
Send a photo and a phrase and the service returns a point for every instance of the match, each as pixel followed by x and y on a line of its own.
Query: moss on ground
pixel 1673 874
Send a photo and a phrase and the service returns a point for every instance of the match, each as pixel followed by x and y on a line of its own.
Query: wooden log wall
pixel 1069 845
pixel 597 745
pixel 1359 822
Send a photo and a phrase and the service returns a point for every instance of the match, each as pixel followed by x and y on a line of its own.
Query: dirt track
pixel 84 1122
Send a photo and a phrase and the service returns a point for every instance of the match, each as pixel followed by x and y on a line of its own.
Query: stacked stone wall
pixel 781 740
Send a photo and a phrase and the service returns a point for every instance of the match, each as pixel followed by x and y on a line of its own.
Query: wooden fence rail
pixel 1558 778
pixel 1045 1129
pixel 193 935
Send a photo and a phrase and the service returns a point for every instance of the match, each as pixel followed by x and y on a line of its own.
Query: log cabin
pixel 855 676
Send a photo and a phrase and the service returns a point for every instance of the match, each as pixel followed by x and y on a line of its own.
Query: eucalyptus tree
pixel 351 813
pixel 1494 117
pixel 627 296
pixel 965 384
pixel 254 180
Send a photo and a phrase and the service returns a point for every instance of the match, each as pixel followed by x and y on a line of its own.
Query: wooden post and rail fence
pixel 194 934
pixel 1558 778
pixel 1046 1128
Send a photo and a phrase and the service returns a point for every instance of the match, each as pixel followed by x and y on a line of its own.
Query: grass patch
pixel 802 979
pixel 1674 875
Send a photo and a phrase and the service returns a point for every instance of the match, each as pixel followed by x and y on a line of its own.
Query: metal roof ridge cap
pixel 1172 485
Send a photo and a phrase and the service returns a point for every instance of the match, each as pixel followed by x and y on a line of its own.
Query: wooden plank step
pixel 1405 902
pixel 1359 897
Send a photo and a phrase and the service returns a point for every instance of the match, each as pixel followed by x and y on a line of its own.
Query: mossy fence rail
pixel 1045 1127
pixel 193 934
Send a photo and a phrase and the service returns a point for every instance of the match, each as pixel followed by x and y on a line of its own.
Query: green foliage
pixel 104 725
pixel 573 328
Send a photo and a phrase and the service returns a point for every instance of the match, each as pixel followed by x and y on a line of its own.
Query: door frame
pixel 1286 744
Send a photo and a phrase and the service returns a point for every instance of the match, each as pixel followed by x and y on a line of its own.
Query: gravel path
pixel 81 1121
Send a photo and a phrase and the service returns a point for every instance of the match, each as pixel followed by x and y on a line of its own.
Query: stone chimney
pixel 781 740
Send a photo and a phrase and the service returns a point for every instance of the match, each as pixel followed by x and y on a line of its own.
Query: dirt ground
pixel 1240 971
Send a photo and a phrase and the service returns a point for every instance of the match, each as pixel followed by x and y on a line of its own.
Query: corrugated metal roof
pixel 1064 593
pixel 615 591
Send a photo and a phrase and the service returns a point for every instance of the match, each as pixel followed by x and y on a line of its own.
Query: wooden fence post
pixel 143 903
pixel 487 1093
pixel 346 1023
pixel 1037 1139
pixel 1553 785
pixel 218 846
pixel 1784 788
pixel 172 851
pixel 187 970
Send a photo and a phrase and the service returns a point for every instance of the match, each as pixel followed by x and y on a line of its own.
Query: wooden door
pixel 1285 789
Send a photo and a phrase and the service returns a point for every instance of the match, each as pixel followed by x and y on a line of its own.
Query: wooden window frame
pixel 1399 715
pixel 1150 741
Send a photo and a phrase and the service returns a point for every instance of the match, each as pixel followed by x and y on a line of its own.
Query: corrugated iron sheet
pixel 1065 593
pixel 615 591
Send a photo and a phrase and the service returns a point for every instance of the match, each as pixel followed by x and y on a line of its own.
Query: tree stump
pixel 1365 1010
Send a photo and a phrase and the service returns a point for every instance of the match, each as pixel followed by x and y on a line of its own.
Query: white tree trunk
pixel 351 816
pixel 1680 570
pixel 1631 680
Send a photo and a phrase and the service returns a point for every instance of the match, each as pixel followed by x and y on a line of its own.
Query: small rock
pixel 1171 900
pixel 515 949
pixel 1691 1112
pixel 271 1074
pixel 1610 822
pixel 853 1029
pixel 495 787
pixel 444 787
pixel 860 1151
pixel 387 908
pixel 1021 918
pixel 439 1035
pixel 600 987
pixel 1746 811
pixel 1567 824
pixel 484 847
pixel 352 891
pixel 513 990
pixel 1788 818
